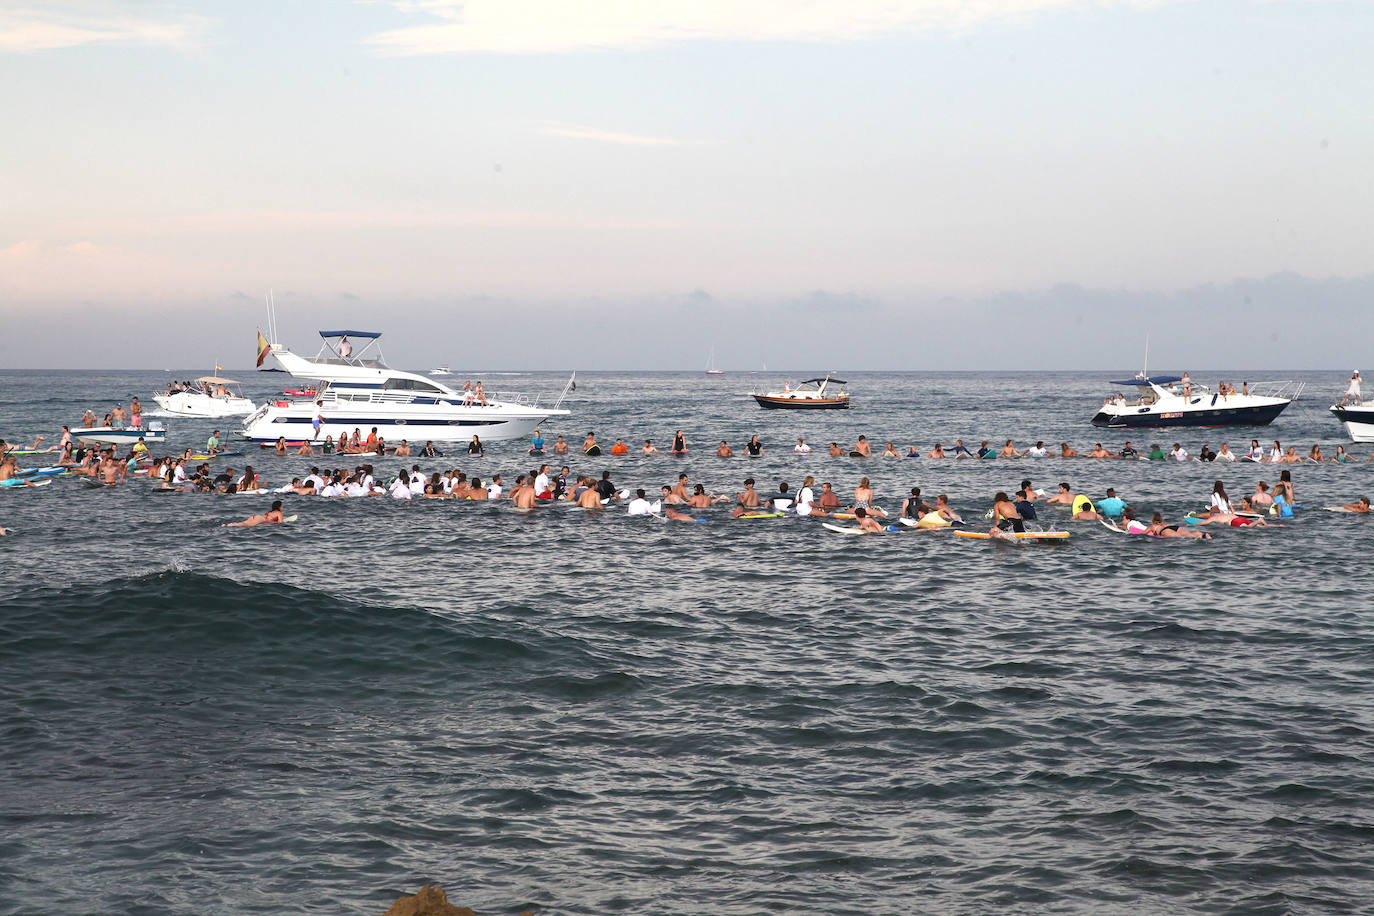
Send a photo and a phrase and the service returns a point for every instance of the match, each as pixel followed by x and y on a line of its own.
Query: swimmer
pixel 700 499
pixel 837 452
pixel 1063 498
pixel 863 499
pixel 1085 513
pixel 620 449
pixel 1009 451
pixel 590 448
pixel 1004 516
pixel 866 522
pixel 754 447
pixel 937 452
pixel 801 448
pixel 749 499
pixel 272 516
pixel 943 508
pixel 1066 452
pixel 1100 452
pixel 891 452
pixel 724 450
pixel 1158 529
pixel 679 443
pixel 673 515
pixel 1361 506
pixel 648 448
pixel 861 449
pixel 828 502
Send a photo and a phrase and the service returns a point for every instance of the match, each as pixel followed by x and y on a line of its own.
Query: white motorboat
pixel 1170 400
pixel 441 370
pixel 812 394
pixel 208 396
pixel 121 435
pixel 358 391
pixel 1358 420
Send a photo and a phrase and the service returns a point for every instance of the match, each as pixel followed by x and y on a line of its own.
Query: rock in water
pixel 429 901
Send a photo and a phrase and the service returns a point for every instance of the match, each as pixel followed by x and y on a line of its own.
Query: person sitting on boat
pixel 345 348
pixel 620 449
pixel 272 516
pixel 480 394
pixel 937 452
pixel 724 450
pixel 1352 392
pixel 1009 451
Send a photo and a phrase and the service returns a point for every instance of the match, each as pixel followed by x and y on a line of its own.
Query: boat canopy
pixel 1149 380
pixel 817 381
pixel 366 335
pixel 215 380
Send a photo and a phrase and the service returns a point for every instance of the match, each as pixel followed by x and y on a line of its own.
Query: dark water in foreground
pixel 601 715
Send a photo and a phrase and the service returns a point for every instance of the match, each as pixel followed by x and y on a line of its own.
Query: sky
pixel 618 184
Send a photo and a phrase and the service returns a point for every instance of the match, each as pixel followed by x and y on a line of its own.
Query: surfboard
pixel 19 483
pixel 763 515
pixel 843 529
pixel 1342 509
pixel 522 511
pixel 216 455
pixel 1026 535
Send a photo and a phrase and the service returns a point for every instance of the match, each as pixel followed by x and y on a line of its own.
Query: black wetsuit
pixel 605 489
pixel 678 444
pixel 754 449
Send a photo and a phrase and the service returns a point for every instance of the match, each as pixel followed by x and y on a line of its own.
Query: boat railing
pixel 1283 388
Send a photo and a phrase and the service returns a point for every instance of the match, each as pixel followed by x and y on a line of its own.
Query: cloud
pixel 555 26
pixel 578 132
pixel 55 24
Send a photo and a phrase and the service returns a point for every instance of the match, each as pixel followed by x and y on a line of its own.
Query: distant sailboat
pixel 711 363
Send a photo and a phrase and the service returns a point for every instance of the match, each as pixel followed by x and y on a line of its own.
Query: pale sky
pixel 628 167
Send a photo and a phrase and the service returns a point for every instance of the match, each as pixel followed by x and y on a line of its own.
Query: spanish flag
pixel 263 348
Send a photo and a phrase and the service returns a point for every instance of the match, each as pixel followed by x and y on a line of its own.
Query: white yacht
pixel 120 435
pixel 441 370
pixel 209 396
pixel 1171 400
pixel 1358 419
pixel 359 391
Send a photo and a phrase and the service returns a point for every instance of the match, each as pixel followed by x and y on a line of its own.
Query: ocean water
pixel 597 714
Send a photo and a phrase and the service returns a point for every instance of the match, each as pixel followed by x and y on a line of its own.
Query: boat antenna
pixel 272 316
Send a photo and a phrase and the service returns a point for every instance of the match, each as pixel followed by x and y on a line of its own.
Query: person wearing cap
pixel 119 418
pixel 1353 391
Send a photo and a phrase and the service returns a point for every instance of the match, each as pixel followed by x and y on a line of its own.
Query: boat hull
pixel 1358 421
pixel 773 403
pixel 1131 417
pixel 186 404
pixel 119 435
pixel 393 422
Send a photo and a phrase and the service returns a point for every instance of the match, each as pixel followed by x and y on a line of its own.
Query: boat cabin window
pixel 410 384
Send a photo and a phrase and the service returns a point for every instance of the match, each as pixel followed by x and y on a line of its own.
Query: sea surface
pixel 595 714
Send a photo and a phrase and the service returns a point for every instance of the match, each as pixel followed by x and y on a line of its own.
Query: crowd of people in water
pixel 543 485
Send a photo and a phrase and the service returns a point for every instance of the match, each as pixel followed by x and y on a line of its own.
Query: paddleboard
pixel 15 483
pixel 522 511
pixel 764 515
pixel 1026 535
pixel 215 455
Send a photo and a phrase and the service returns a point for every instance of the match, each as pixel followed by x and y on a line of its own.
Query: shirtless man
pixel 829 502
pixel 402 450
pixel 305 449
pixel 700 499
pixel 523 496
pixel 1066 452
pixel 943 507
pixel 937 452
pixel 1361 506
pixel 669 498
pixel 88 419
pixel 476 491
pixel 1004 516
pixel 680 490
pixel 648 448
pixel 560 447
pixel 724 451
pixel 749 499
pixel 589 499
pixel 1063 498
pixel 111 470
pixel 837 452
pixel 1216 516
pixel 891 451
pixel 1100 452
pixel 119 416
pixel 272 516
pixel 866 521
pixel 1009 451
pixel 861 449
pixel 1085 513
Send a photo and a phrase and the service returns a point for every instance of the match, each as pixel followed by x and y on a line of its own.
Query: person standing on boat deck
pixel 135 413
pixel 118 417
pixel 1353 391
pixel 317 422
pixel 345 348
